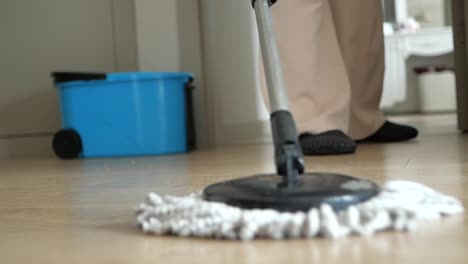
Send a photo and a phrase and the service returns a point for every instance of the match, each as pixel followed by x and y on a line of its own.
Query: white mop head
pixel 400 206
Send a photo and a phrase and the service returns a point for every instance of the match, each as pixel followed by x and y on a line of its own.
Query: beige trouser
pixel 333 60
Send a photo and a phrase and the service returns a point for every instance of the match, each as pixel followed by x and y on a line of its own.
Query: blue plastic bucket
pixel 127 114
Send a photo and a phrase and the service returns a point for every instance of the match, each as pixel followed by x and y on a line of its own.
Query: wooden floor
pixel 53 211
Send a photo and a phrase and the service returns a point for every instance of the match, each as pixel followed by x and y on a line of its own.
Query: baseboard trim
pixel 26 146
pixel 244 133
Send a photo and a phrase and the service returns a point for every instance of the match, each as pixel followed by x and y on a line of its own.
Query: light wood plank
pixel 54 211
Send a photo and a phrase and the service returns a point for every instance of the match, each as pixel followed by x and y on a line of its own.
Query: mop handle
pixel 288 153
pixel 272 63
pixel 270 2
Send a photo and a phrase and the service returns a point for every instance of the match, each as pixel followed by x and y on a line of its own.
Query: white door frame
pixel 230 65
pixel 460 31
pixel 169 39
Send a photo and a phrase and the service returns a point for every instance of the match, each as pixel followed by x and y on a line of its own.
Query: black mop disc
pixel 315 189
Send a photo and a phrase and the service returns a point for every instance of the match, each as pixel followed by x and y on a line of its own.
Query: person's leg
pixel 315 75
pixel 360 34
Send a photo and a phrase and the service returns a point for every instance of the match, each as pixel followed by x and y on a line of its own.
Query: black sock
pixel 391 132
pixel 332 142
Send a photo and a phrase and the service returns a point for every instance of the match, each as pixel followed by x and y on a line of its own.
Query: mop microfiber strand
pixel 400 206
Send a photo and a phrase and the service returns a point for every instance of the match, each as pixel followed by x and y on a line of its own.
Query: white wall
pixel 212 38
pixel 430 13
pixel 432 10
pixel 157 35
pixel 38 37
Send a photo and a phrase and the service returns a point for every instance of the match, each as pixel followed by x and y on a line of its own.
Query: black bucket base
pixel 314 189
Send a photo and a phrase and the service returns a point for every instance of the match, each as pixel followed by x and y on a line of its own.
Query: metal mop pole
pixel 271 58
pixel 288 154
